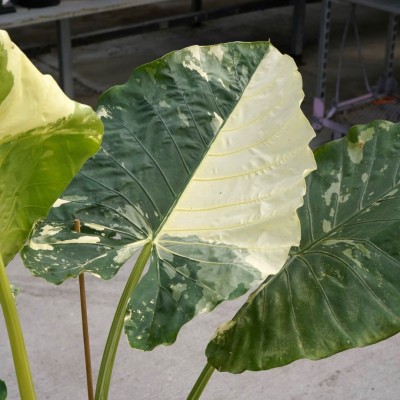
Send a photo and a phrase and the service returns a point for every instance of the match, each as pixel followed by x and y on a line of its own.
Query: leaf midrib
pixel 346 221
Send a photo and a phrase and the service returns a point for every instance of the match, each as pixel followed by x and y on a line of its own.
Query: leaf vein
pixel 150 156
pixel 121 194
pixel 361 280
pixel 325 295
pixel 292 310
pixel 170 135
pixel 265 168
pixel 174 78
pixel 365 184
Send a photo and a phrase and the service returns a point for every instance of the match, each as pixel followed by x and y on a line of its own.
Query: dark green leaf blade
pixel 341 288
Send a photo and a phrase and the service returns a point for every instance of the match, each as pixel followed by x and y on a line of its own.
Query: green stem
pixel 201 382
pixel 21 363
pixel 107 362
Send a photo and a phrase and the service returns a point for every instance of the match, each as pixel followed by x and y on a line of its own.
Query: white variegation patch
pixel 164 104
pixel 218 52
pixel 126 252
pixel 40 246
pixel 326 226
pixel 334 189
pixel 193 63
pixel 81 240
pixel 60 202
pixel 364 177
pixel 95 227
pixel 356 150
pixel 50 230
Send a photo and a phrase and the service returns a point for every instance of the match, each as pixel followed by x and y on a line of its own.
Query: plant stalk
pixel 201 382
pixel 85 327
pixel 110 350
pixel 17 343
pixel 86 340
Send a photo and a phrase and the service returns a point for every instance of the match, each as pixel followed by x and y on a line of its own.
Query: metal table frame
pixel 68 9
pixel 62 15
pixel 321 115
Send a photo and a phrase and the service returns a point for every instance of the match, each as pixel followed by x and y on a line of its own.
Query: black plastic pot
pixel 37 3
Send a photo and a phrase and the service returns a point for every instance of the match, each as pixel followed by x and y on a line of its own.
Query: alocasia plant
pixel 44 140
pixel 202 165
pixel 341 287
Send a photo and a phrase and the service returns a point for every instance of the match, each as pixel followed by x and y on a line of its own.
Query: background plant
pixel 44 139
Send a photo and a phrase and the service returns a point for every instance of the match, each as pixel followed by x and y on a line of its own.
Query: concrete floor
pixel 51 315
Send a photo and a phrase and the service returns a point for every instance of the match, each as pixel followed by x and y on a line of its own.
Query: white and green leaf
pixel 204 156
pixel 340 288
pixel 44 140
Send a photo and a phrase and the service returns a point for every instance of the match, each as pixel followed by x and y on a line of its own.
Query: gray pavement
pixel 51 315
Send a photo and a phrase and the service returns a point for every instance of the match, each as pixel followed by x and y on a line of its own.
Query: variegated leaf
pixel 44 140
pixel 204 155
pixel 340 288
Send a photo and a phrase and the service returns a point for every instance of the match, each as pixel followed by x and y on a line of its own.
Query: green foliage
pixel 198 169
pixel 340 288
pixel 50 162
pixel 44 139
pixel 53 136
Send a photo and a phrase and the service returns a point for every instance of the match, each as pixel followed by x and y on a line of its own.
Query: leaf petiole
pixel 21 362
pixel 201 382
pixel 110 350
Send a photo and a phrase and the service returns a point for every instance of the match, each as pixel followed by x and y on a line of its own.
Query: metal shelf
pixel 68 9
pixel 377 102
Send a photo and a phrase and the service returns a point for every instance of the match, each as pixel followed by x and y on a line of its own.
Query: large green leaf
pixel 44 140
pixel 204 155
pixel 3 390
pixel 341 288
